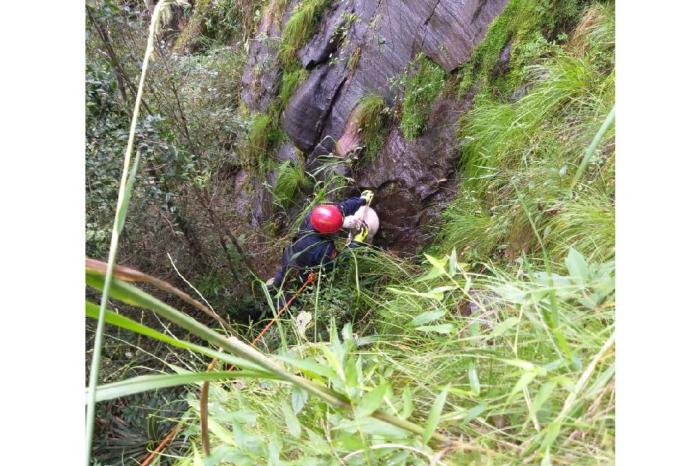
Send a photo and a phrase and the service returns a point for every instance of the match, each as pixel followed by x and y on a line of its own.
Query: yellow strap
pixel 362 235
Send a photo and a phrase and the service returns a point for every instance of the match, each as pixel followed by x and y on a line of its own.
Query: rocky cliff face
pixel 386 34
pixel 358 48
pixel 414 180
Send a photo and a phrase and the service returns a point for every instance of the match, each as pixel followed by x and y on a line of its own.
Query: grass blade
pixel 371 401
pixel 125 186
pixel 145 383
pixel 131 275
pixel 137 297
pixel 112 318
pixel 591 149
pixel 434 416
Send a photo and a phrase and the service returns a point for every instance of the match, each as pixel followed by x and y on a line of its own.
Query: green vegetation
pixel 495 347
pixel 186 136
pixel 519 159
pixel 368 118
pixel 530 28
pixel 259 136
pixel 291 80
pixel 291 181
pixel 263 136
pixel 422 85
pixel 299 28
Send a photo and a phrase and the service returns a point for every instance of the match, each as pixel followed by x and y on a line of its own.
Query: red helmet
pixel 326 218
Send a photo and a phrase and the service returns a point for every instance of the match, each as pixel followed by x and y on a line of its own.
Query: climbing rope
pixel 204 395
pixel 168 438
pixel 309 280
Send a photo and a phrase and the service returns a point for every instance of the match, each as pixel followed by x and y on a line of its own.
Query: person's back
pixel 313 246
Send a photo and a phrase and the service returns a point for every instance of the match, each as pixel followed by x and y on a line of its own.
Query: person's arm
pixel 350 206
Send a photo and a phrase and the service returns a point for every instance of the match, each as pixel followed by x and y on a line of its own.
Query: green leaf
pixel 299 398
pixel 145 383
pixel 437 294
pixel 503 327
pixel 308 365
pixel 430 275
pixel 273 453
pixel 426 317
pixel 543 395
pixel 124 207
pixel 407 407
pixel 453 263
pixel 347 332
pixel 221 432
pixel 600 381
pixel 522 382
pixel 551 433
pixel 370 426
pixel 473 413
pixel 438 264
pixel 510 293
pixel 371 401
pixel 546 459
pixel 368 340
pixel 577 266
pixel 545 279
pixel 291 420
pixel 434 416
pixel 525 365
pixel 445 329
pixel 474 379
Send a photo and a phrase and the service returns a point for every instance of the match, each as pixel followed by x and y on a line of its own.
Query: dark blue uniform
pixel 310 248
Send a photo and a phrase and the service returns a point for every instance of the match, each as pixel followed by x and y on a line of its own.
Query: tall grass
pixel 496 349
pixel 299 28
pixel 291 181
pixel 539 145
pixel 125 188
pixel 423 83
pixel 510 391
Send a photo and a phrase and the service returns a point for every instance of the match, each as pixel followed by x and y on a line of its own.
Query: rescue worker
pixel 313 246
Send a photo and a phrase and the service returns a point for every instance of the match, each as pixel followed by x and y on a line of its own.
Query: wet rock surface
pixel 362 45
pixel 262 72
pixel 413 180
pixel 359 48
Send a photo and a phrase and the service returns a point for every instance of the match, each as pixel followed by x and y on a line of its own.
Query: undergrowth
pixel 519 158
pixel 422 84
pixel 495 348
pixel 291 181
pixel 299 27
pixel 369 120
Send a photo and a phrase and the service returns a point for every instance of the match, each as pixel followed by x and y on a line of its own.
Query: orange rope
pixel 168 438
pixel 309 280
pixel 204 396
